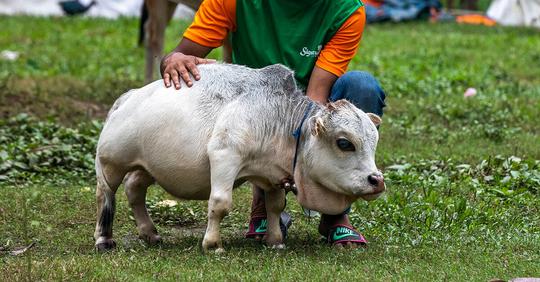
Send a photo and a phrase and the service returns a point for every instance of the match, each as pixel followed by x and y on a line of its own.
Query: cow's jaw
pixel 314 196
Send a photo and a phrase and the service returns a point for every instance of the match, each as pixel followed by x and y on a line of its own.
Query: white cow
pixel 233 125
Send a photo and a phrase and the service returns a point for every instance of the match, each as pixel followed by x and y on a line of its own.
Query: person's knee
pixel 361 89
pixel 361 83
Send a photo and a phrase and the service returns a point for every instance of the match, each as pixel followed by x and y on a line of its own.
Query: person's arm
pixel 320 84
pixel 212 22
pixel 335 57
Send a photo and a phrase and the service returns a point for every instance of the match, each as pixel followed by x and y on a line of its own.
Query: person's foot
pixel 338 231
pixel 257 222
pixel 258 225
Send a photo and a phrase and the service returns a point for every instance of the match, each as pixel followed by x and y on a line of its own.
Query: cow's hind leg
pixel 136 185
pixel 108 179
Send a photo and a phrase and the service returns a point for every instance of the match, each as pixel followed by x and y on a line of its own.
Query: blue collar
pixel 297 133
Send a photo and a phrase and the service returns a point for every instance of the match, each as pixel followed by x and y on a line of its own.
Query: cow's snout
pixel 377 180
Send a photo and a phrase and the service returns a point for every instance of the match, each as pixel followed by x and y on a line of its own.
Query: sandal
pixel 258 224
pixel 341 234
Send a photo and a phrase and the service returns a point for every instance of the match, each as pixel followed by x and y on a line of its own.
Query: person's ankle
pixel 327 221
pixel 258 207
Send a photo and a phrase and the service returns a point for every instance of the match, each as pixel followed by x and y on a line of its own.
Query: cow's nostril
pixel 373 180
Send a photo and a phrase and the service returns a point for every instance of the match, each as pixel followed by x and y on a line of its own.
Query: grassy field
pixel 463 174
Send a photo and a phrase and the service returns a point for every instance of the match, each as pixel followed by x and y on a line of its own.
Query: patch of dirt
pixel 57 97
pixel 64 108
pixel 189 230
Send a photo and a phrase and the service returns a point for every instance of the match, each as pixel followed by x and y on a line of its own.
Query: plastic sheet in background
pixel 400 10
pixel 515 12
pixel 102 8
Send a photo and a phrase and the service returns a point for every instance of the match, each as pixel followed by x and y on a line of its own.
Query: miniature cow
pixel 233 125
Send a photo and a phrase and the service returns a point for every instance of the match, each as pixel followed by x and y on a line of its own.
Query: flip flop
pixel 257 225
pixel 341 234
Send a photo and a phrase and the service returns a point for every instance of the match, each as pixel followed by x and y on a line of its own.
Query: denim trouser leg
pixel 361 89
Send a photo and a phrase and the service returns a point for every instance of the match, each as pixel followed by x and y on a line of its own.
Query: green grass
pixel 458 207
pixel 61 223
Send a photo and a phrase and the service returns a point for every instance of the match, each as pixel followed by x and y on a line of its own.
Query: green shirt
pixel 290 32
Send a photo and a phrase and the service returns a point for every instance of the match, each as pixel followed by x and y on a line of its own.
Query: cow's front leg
pixel 275 203
pixel 219 205
pixel 224 167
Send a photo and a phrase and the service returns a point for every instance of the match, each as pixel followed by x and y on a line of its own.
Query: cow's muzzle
pixel 377 181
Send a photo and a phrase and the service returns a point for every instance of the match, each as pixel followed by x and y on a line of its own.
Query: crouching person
pixel 317 39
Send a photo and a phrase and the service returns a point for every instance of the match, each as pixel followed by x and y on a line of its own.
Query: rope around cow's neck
pixel 288 184
pixel 298 132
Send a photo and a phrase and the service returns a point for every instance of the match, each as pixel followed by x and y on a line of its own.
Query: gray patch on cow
pixel 282 75
pixel 246 84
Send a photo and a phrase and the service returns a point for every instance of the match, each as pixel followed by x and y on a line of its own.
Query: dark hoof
pixel 152 240
pixel 105 245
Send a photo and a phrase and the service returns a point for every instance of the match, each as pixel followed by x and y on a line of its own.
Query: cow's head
pixel 336 164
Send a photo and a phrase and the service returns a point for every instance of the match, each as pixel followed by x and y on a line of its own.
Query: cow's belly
pixel 184 183
pixel 179 163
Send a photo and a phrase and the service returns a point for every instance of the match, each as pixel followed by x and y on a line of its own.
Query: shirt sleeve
pixel 212 22
pixel 339 51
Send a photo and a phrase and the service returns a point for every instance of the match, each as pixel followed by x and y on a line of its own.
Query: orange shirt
pixel 216 18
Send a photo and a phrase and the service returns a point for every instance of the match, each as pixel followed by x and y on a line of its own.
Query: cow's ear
pixel 332 106
pixel 316 125
pixel 375 119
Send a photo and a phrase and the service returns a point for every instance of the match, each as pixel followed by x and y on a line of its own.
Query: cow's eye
pixel 345 145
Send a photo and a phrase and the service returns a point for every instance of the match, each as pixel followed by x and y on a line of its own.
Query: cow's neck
pixel 275 135
pixel 298 114
pixel 298 110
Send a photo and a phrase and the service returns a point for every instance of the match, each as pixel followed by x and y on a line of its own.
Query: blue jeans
pixel 361 89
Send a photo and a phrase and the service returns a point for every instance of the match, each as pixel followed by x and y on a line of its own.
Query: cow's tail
pixel 142 22
pixel 106 205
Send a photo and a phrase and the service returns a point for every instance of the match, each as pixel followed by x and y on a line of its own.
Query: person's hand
pixel 178 65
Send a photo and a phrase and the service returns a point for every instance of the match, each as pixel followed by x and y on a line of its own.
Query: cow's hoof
pixel 275 242
pixel 152 239
pixel 209 244
pixel 278 246
pixel 215 250
pixel 103 245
